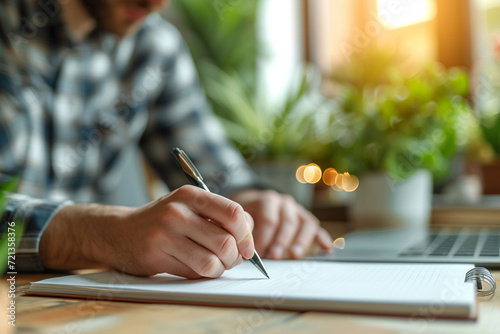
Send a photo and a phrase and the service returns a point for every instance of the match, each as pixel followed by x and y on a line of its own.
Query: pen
pixel 194 177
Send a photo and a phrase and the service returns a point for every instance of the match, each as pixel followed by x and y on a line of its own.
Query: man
pixel 81 80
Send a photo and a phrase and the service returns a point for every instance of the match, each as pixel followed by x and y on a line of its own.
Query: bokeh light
pixel 299 174
pixel 339 181
pixel 329 176
pixel 350 182
pixel 312 173
pixel 339 243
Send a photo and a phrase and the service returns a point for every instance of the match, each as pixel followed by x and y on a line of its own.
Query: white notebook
pixel 419 290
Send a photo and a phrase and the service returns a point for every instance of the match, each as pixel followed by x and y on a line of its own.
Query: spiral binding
pixel 485 282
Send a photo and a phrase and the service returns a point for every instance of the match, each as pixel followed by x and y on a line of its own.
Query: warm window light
pixel 400 13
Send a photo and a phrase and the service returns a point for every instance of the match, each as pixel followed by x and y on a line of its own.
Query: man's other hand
pixel 283 228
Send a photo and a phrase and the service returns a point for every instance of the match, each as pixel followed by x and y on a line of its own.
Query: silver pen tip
pixel 257 262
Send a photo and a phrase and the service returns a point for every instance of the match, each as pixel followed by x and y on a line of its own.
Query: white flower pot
pixel 381 202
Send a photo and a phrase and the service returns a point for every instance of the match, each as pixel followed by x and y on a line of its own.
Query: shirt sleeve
pixel 181 117
pixel 32 216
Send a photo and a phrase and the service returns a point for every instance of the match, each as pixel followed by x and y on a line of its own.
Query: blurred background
pixel 323 97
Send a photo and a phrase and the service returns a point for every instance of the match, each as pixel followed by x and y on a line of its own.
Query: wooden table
pixel 65 315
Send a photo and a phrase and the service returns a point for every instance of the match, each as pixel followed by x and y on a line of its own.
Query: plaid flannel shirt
pixel 68 110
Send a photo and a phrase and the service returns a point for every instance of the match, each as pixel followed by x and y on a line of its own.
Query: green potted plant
pixel 398 133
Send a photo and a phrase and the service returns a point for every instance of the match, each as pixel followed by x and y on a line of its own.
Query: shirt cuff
pixel 32 215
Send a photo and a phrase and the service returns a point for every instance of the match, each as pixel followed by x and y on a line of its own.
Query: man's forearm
pixel 76 237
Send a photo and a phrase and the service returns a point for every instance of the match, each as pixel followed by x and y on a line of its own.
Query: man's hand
pixel 189 232
pixel 282 226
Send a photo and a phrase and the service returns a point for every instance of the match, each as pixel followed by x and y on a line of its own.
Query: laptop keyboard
pixel 456 244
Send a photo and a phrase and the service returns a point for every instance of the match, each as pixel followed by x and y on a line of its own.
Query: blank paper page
pixel 356 282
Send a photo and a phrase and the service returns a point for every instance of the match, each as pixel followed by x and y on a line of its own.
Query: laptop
pixel 478 246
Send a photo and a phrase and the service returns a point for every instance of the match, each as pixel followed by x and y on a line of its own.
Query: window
pixel 423 30
pixel 396 14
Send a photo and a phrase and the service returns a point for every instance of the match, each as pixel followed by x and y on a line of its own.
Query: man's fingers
pixel 268 216
pixel 287 229
pixel 294 230
pixel 197 258
pixel 173 266
pixel 211 236
pixel 312 231
pixel 222 211
pixel 304 237
pixel 324 240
